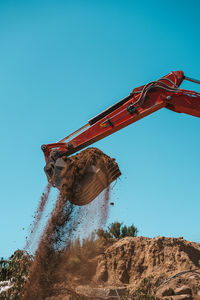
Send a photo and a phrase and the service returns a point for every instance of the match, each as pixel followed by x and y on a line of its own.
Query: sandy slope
pixel 126 262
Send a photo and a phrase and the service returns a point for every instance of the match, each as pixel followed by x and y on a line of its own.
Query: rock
pixel 184 290
pixel 165 291
pixel 118 291
pixel 181 297
pixel 101 272
pixel 101 293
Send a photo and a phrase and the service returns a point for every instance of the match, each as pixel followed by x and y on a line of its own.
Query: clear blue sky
pixel 61 63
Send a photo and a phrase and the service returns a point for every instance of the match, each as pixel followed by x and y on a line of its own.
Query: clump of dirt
pixel 87 174
pixel 66 219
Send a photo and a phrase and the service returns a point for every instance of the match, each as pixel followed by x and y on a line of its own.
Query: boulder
pixel 183 290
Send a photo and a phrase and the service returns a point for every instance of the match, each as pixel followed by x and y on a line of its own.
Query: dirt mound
pixel 65 220
pixel 169 267
pixel 130 260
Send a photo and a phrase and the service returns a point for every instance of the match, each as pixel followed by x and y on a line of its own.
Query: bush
pixel 117 231
pixel 146 287
pixel 4 270
pixel 16 270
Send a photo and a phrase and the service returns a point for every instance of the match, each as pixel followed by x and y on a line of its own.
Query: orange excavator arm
pixel 141 102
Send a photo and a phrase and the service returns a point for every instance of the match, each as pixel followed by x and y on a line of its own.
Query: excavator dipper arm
pixel 142 102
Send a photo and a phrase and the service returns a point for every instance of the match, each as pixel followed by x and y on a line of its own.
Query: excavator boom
pixel 141 102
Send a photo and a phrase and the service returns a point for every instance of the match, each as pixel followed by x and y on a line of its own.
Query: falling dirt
pixel 37 217
pixel 67 221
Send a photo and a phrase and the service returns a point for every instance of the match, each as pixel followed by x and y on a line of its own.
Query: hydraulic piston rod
pixel 192 79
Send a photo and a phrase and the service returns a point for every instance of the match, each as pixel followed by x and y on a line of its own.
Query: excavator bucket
pixel 82 177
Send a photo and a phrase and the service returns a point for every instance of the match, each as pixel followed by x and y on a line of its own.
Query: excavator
pixel 141 102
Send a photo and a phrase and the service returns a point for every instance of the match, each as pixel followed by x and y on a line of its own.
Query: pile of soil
pixel 65 219
pixel 132 259
pixel 171 265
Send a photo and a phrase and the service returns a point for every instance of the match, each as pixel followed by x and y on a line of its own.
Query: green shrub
pixel 146 287
pixel 117 231
pixel 16 270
